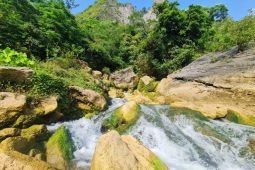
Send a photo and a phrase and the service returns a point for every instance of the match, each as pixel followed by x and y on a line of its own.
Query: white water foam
pixel 85 133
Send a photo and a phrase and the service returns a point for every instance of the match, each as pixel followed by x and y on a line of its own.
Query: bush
pixel 14 58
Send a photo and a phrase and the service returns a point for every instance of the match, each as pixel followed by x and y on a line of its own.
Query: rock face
pixel 87 97
pixel 216 84
pixel 15 74
pixel 12 160
pixel 124 153
pixel 10 107
pixel 124 79
pixel 150 15
pixel 122 118
pixel 108 10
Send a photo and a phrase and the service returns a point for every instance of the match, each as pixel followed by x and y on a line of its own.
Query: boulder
pixel 10 107
pixel 15 74
pixel 35 133
pixel 147 84
pixel 122 118
pixel 123 153
pixel 97 74
pixel 149 98
pixel 9 132
pixel 115 93
pixel 59 149
pixel 37 154
pixel 216 88
pixel 45 106
pixel 12 160
pixel 124 79
pixel 19 144
pixel 87 97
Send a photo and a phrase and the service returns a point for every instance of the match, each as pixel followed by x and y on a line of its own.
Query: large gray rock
pixel 124 79
pixel 11 105
pixel 15 74
pixel 217 85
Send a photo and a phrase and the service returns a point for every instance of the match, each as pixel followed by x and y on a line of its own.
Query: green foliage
pixel 39 28
pixel 219 12
pixel 14 58
pixel 244 32
pixel 229 33
pixel 104 39
pixel 172 43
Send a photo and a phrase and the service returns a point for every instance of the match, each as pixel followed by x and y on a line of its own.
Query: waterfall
pixel 183 139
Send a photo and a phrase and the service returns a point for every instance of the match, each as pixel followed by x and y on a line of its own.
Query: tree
pixel 40 28
pixel 70 4
pixel 244 32
pixel 219 12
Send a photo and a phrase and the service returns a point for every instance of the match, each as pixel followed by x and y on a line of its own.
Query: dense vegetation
pixel 45 29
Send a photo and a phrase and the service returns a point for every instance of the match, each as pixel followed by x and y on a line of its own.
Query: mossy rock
pixel 157 163
pixel 239 118
pixel 59 149
pixel 9 132
pixel 35 133
pixel 147 84
pixel 122 118
pixel 20 144
pixel 24 121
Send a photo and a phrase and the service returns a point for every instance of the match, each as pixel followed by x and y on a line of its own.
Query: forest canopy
pixel 46 28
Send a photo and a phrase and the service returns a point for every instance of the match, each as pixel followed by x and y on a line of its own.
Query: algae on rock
pixel 239 118
pixel 59 149
pixel 147 84
pixel 122 118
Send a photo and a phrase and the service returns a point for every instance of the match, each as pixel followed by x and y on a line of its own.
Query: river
pixel 183 139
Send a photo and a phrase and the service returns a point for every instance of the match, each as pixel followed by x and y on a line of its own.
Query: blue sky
pixel 237 8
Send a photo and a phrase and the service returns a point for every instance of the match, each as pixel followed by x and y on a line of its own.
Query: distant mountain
pixel 107 10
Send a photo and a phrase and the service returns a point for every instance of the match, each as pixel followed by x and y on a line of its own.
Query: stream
pixel 183 139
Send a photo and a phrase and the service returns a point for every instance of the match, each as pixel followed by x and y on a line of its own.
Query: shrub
pixel 14 58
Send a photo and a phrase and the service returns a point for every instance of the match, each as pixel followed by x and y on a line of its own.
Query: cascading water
pixel 183 139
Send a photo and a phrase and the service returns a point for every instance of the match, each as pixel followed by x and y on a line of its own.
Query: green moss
pixel 239 118
pixel 118 122
pixel 147 88
pixel 25 121
pixel 231 116
pixel 91 114
pixel 62 140
pixel 35 132
pixel 158 164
